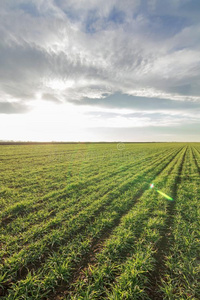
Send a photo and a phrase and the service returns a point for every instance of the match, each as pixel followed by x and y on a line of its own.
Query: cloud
pixel 73 50
pixel 13 108
pixel 50 97
pixel 137 103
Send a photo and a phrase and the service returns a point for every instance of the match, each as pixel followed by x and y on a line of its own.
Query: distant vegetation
pixel 78 221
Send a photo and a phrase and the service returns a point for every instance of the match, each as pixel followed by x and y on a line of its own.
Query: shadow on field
pixel 164 244
pixel 97 244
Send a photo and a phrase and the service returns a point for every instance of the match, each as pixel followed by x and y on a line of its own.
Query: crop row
pixel 32 232
pixel 181 279
pixel 121 268
pixel 62 209
pixel 35 182
pixel 106 198
pixel 57 237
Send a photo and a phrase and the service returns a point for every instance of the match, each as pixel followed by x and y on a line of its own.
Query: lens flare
pixel 164 195
pixel 161 193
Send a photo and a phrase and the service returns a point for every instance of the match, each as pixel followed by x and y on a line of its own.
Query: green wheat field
pixel 79 221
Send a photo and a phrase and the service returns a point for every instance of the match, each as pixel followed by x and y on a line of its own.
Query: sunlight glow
pixel 58 84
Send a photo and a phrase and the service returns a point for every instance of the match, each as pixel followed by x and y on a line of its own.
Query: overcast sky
pixel 96 70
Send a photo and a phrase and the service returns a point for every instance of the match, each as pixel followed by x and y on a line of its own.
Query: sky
pixel 96 70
